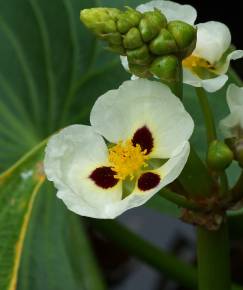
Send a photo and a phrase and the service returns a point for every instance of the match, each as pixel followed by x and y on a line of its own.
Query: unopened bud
pixel 166 68
pixel 219 156
pixel 139 56
pixel 163 44
pixel 113 38
pixel 185 36
pixel 100 20
pixel 133 39
pixel 128 19
pixel 151 24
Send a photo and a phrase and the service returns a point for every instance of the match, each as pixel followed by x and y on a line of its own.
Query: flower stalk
pixel 213 259
pixel 207 114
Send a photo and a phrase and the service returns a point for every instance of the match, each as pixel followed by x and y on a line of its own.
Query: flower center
pixel 193 61
pixel 127 159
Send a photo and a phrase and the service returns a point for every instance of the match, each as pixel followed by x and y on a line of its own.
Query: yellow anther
pixel 194 61
pixel 126 159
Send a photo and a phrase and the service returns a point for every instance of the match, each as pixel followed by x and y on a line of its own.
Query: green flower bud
pixel 128 19
pixel 185 36
pixel 133 39
pixel 140 71
pixel 151 24
pixel 113 38
pixel 100 20
pixel 163 44
pixel 219 156
pixel 139 56
pixel 166 68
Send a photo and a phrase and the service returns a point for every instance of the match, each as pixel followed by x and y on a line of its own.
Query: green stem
pixel 208 115
pixel 179 200
pixel 213 259
pixel 211 133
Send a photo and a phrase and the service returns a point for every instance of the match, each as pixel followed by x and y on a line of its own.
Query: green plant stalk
pixel 179 200
pixel 208 115
pixel 213 259
pixel 213 246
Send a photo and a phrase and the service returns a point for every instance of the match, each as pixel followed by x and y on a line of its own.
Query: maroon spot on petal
pixel 144 138
pixel 104 177
pixel 148 181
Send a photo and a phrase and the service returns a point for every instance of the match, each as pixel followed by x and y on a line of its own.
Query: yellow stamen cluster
pixel 126 159
pixel 194 61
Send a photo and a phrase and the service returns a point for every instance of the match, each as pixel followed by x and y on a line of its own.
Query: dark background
pixel 229 12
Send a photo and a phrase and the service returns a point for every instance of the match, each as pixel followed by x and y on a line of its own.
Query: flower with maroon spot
pixel 139 122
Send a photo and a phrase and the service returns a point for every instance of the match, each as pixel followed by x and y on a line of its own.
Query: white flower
pixel 209 62
pixel 143 122
pixel 232 125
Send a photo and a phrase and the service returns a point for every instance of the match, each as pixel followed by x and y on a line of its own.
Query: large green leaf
pixel 18 188
pixel 57 252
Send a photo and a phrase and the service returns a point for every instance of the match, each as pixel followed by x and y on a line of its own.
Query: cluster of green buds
pixel 152 45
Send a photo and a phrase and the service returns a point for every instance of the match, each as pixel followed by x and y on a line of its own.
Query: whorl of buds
pixel 153 45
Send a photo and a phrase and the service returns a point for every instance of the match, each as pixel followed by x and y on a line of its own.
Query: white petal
pixel 118 114
pixel 213 39
pixel 124 63
pixel 210 85
pixel 71 156
pixel 236 54
pixel 172 10
pixel 168 173
pixel 231 124
pixel 235 97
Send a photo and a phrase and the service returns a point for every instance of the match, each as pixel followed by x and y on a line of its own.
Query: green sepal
pixel 139 56
pixel 128 19
pixel 151 24
pixel 154 163
pixel 113 38
pixel 128 186
pixel 166 68
pixel 163 44
pixel 185 36
pixel 133 39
